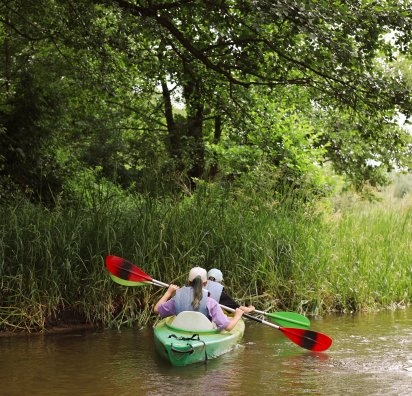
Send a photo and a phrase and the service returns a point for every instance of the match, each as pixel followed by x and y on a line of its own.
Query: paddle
pixel 123 270
pixel 283 319
pixel 308 339
pixel 130 275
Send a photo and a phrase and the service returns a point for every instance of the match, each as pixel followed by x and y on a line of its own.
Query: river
pixel 371 354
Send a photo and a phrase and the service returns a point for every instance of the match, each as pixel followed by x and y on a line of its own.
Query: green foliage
pixel 273 99
pixel 294 84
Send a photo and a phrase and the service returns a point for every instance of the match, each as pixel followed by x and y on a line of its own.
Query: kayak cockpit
pixel 191 321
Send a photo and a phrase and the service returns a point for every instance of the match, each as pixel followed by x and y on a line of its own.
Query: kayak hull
pixel 184 347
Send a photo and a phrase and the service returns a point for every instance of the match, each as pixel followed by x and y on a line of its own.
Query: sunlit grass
pixel 359 259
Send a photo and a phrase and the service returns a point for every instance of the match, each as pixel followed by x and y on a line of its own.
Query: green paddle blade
pixel 289 319
pixel 127 282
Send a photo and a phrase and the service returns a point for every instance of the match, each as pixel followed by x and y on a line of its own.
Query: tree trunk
pixel 214 169
pixel 197 146
pixel 175 147
pixel 194 110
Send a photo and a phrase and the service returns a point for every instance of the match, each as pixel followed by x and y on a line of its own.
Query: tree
pixel 336 52
pixel 229 63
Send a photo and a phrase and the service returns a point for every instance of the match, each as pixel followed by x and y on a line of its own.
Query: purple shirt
pixel 218 317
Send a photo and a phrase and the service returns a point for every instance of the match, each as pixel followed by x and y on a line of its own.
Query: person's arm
pixel 219 318
pixel 233 322
pixel 169 294
pixel 228 301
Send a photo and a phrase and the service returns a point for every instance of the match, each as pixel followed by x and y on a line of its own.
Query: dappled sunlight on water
pixel 371 354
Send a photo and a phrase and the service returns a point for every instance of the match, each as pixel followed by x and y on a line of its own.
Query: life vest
pixel 183 301
pixel 215 289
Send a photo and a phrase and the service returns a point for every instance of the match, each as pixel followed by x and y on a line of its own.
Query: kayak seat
pixel 192 321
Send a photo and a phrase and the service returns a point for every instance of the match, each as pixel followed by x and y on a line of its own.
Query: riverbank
pixel 65 322
pixel 62 329
pixel 311 257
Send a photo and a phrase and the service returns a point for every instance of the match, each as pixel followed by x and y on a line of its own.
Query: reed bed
pixel 281 253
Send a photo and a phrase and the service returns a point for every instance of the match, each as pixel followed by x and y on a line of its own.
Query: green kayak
pixel 190 338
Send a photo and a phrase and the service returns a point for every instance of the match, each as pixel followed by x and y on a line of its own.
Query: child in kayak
pixel 217 291
pixel 194 298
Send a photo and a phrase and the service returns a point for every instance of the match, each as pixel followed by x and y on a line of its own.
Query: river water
pixel 371 354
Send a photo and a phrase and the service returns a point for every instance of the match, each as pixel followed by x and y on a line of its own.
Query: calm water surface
pixel 371 355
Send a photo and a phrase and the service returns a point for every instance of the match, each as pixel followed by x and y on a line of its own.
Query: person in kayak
pixel 194 298
pixel 218 293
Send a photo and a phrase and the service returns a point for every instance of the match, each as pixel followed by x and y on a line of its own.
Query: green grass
pixel 277 254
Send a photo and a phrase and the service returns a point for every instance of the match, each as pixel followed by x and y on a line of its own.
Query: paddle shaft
pixel 252 317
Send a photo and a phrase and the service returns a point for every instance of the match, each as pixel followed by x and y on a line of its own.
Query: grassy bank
pixel 277 254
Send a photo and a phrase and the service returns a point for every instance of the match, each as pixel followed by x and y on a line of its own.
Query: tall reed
pixel 278 253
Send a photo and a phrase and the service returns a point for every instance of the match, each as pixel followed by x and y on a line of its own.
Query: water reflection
pixel 371 355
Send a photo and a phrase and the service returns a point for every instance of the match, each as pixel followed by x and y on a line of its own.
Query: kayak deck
pixel 182 347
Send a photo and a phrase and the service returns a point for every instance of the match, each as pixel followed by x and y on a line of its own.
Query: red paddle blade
pixel 125 270
pixel 308 339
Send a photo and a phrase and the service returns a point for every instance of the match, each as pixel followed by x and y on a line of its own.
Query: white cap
pixel 215 273
pixel 198 271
